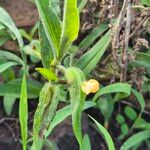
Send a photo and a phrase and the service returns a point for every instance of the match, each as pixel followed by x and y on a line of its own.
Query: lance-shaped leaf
pixel 23 113
pixel 105 134
pixel 49 98
pixel 89 60
pixel 7 21
pixel 45 48
pixel 75 77
pixel 44 100
pixel 70 26
pixel 50 23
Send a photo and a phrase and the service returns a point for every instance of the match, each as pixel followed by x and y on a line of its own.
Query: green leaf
pixel 23 113
pixel 130 113
pixel 14 88
pixel 7 65
pixel 4 36
pixel 49 98
pixel 141 124
pixel 51 24
pixel 113 88
pixel 92 36
pixel 48 74
pixel 106 106
pixel 8 74
pixel 55 6
pixel 7 21
pixel 120 119
pixel 51 109
pixel 106 135
pixel 140 99
pixel 70 26
pixel 10 56
pixel 90 59
pixel 8 103
pixel 135 139
pixel 81 5
pixel 44 100
pixel 145 2
pixel 63 113
pixel 86 145
pixel 124 129
pixel 75 77
pixel 142 60
pixel 46 49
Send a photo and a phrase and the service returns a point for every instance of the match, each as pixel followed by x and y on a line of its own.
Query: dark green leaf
pixel 120 119
pixel 130 113
pixel 14 88
pixel 46 49
pixel 124 129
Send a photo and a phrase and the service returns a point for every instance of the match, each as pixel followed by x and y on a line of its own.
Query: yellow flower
pixel 91 86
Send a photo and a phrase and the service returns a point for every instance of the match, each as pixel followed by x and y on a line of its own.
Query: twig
pixel 116 33
pixel 7 119
pixel 126 41
pixel 137 28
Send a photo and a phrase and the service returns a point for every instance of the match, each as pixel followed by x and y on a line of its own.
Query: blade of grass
pixel 106 135
pixel 23 112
